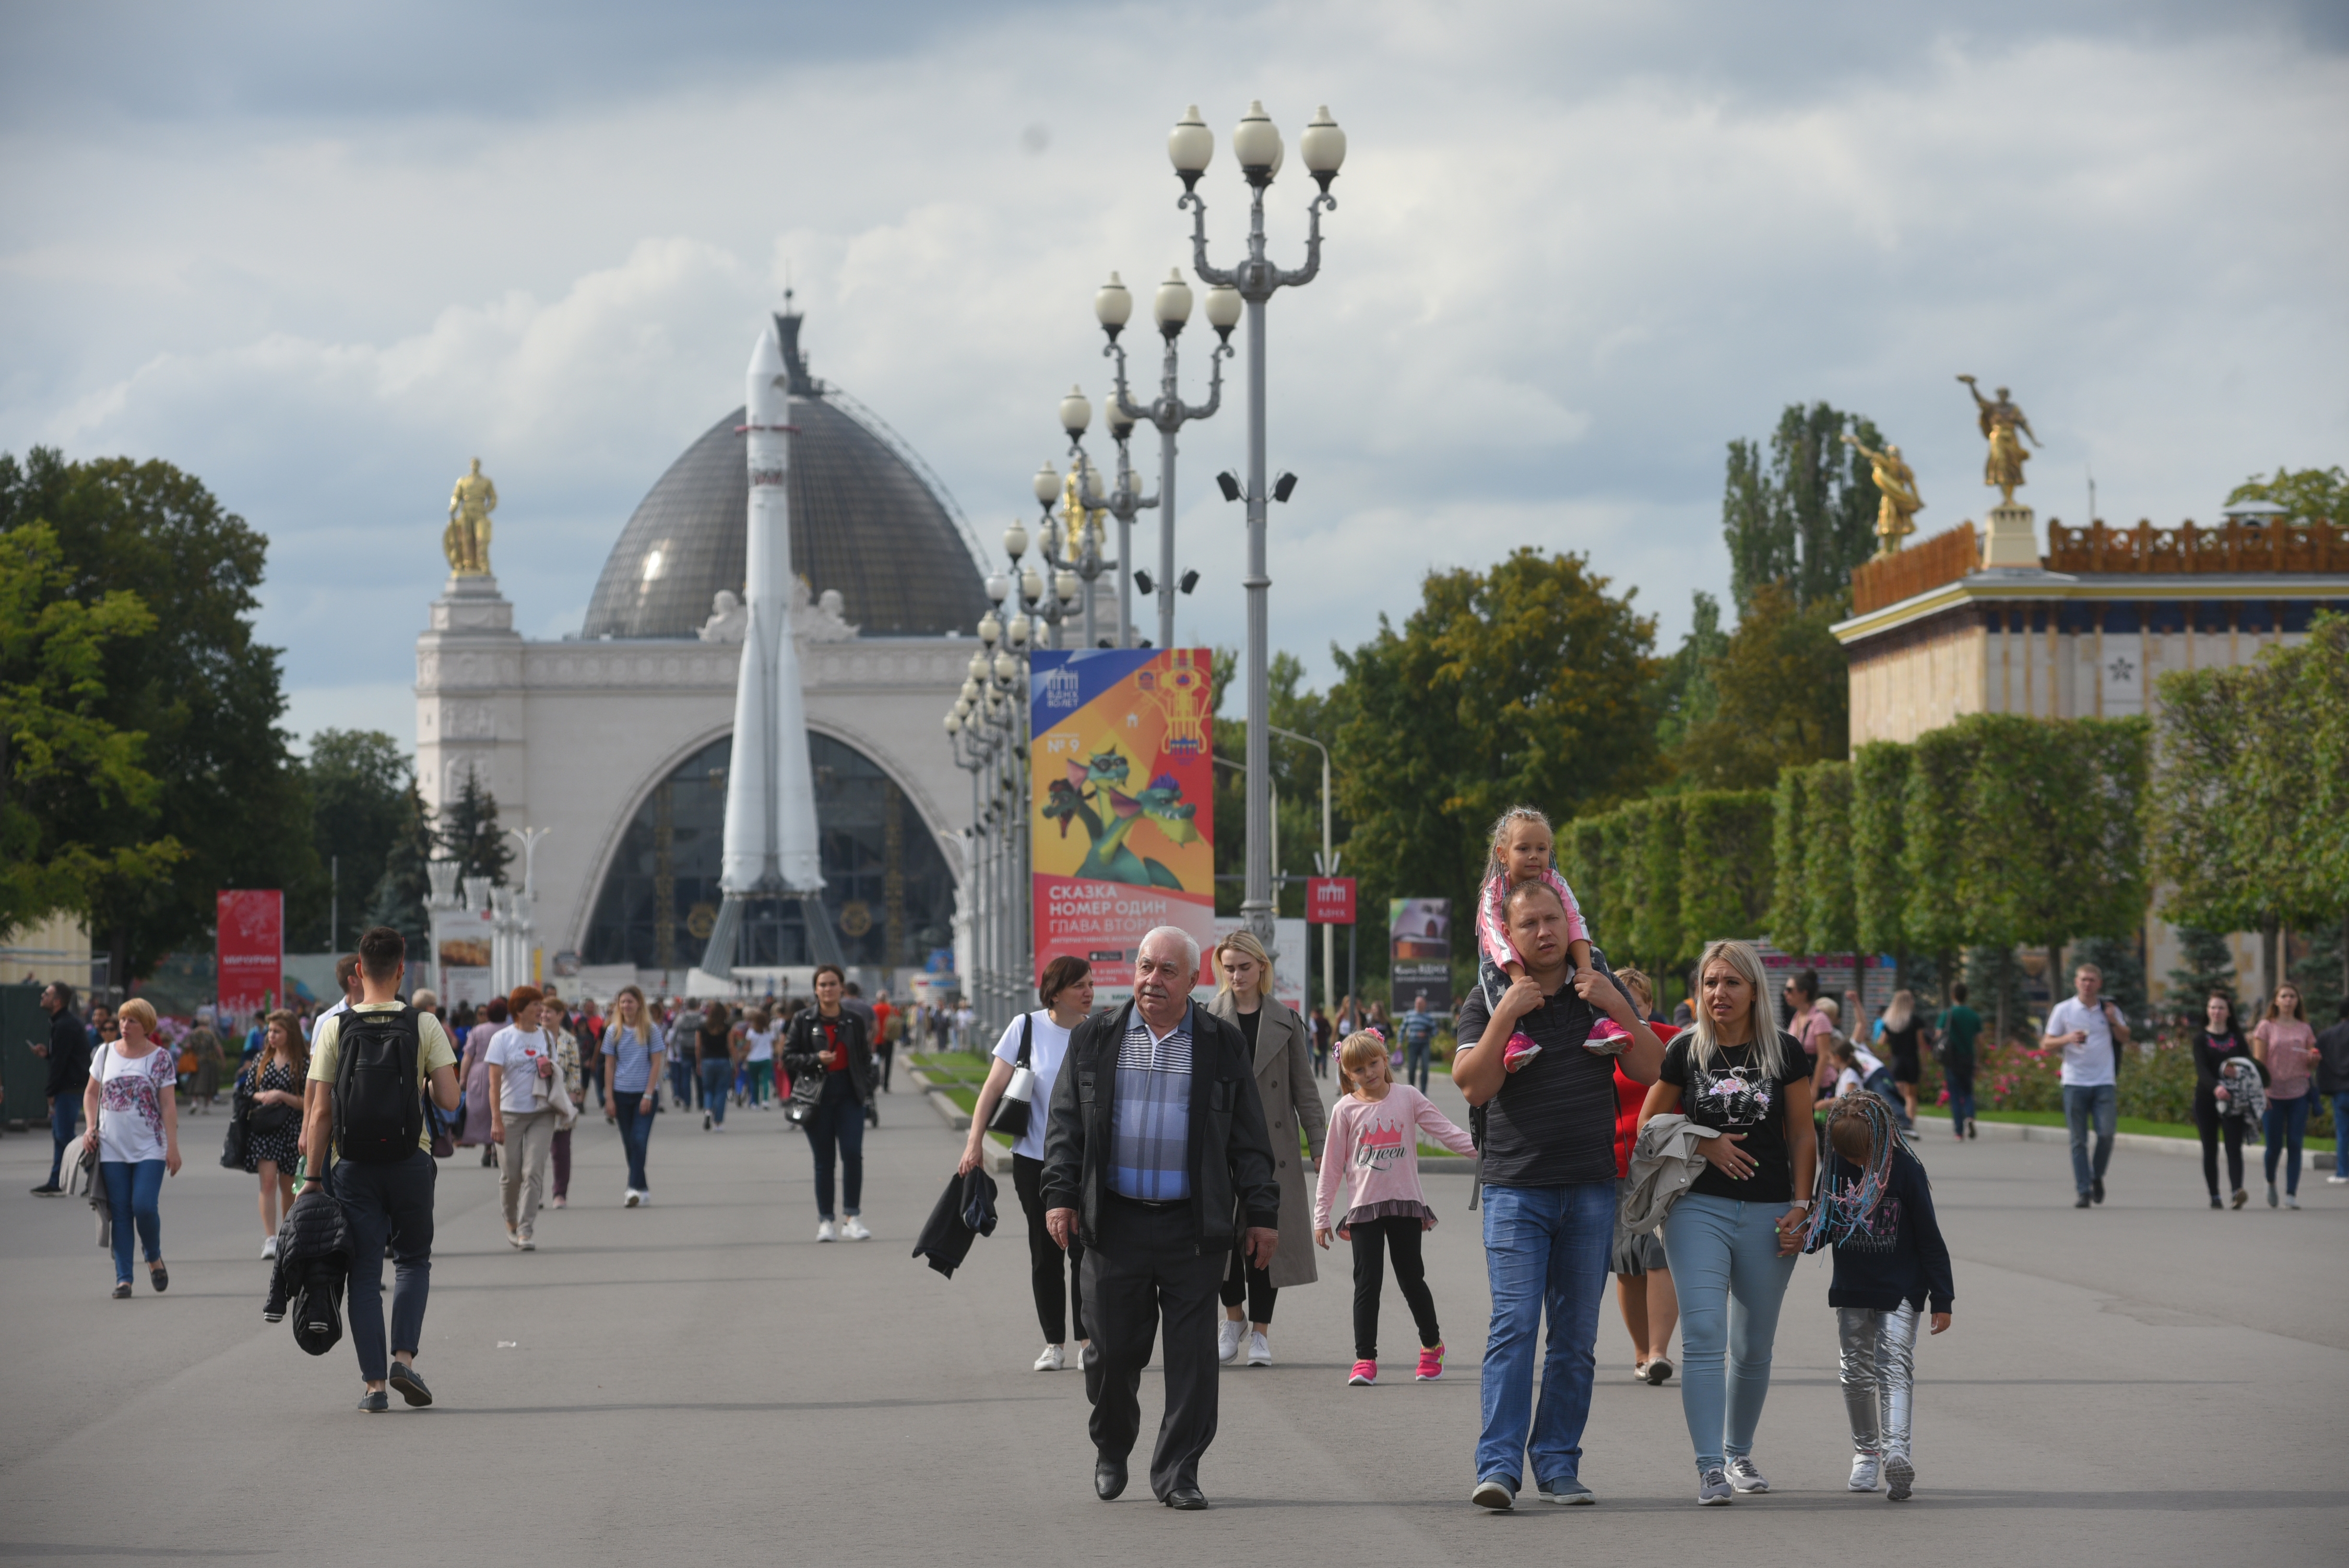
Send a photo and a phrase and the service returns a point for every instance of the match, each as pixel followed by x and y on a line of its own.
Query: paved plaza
pixel 700 1382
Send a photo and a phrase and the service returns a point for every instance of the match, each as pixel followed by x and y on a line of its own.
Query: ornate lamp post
pixel 1258 147
pixel 1171 309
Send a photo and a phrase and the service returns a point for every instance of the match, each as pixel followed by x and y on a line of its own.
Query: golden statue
pixel 467 540
pixel 2000 421
pixel 1895 482
pixel 1077 521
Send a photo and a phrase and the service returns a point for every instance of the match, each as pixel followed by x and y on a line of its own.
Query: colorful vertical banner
pixel 251 924
pixel 1419 955
pixel 1121 817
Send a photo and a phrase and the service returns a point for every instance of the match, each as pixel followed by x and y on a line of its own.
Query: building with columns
pixel 616 741
pixel 2085 631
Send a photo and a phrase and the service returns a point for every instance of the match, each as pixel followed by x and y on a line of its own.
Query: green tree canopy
pixel 2305 496
pixel 1527 683
pixel 1805 516
pixel 397 897
pixel 470 836
pixel 358 781
pixel 196 684
pixel 1782 698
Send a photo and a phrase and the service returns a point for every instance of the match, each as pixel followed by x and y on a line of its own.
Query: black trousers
pixel 2210 1124
pixel 1243 1282
pixel 1375 1239
pixel 1055 1304
pixel 394 1203
pixel 1145 1266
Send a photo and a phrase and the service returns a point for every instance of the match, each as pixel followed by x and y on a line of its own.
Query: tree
pixel 1880 786
pixel 1685 695
pixel 1524 683
pixel 397 899
pixel 1295 777
pixel 1784 688
pixel 199 689
pixel 1808 518
pixel 1811 907
pixel 358 781
pixel 60 762
pixel 2305 496
pixel 2206 964
pixel 1658 878
pixel 470 836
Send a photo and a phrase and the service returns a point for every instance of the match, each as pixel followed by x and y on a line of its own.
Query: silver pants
pixel 1879 1375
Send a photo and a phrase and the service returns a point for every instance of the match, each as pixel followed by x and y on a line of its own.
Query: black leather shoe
pixel 1189 1499
pixel 374 1402
pixel 1109 1479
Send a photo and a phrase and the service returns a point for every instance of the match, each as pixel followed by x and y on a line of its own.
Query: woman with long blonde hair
pixel 1730 1239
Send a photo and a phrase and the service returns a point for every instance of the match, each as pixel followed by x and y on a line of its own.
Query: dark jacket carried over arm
pixel 803 1049
pixel 1232 1180
pixel 964 1211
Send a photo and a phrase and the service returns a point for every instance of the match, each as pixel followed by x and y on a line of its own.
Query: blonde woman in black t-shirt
pixel 1734 1234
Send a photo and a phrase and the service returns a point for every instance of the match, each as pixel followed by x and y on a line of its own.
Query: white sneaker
pixel 826 1231
pixel 1259 1348
pixel 1228 1340
pixel 526 1242
pixel 632 1200
pixel 854 1230
pixel 2336 1181
pixel 1051 1360
pixel 269 1246
pixel 1899 1477
pixel 1866 1472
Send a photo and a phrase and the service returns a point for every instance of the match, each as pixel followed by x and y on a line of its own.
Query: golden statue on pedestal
pixel 2000 421
pixel 467 540
pixel 1896 483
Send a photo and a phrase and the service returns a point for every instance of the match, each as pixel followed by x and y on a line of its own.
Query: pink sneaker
pixel 1431 1365
pixel 1522 1048
pixel 1608 1039
pixel 1365 1372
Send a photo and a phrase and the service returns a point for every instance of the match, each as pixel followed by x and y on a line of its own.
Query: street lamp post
pixel 1326 864
pixel 1171 309
pixel 1258 147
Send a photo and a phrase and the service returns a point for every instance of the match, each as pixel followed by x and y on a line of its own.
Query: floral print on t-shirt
pixel 1729 1098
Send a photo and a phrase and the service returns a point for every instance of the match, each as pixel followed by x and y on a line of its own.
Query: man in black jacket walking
pixel 69 1054
pixel 1155 1151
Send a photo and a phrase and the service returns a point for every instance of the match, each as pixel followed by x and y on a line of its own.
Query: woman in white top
pixel 134 1125
pixel 758 1034
pixel 1067 993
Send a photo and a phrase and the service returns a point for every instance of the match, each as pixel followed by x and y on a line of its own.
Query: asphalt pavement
pixel 701 1381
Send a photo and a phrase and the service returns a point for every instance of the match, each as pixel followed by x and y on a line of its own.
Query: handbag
pixel 1018 1102
pixel 232 1147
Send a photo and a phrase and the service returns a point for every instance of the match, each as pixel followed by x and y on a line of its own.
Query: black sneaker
pixel 374 1402
pixel 410 1384
pixel 2083 1202
pixel 2097 1191
pixel 48 1189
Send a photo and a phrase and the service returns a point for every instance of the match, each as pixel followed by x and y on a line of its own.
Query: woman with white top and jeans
pixel 1067 993
pixel 134 1125
pixel 632 1070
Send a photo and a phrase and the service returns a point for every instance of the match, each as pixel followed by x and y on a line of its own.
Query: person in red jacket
pixel 1644 1285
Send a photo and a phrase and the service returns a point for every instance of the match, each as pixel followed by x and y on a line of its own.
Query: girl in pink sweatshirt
pixel 1374 1140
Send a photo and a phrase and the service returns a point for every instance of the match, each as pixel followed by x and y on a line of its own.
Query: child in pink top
pixel 1374 1140
pixel 1523 851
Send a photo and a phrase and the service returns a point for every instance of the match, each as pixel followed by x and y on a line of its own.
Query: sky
pixel 322 254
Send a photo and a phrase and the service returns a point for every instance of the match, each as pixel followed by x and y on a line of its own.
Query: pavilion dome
pixel 866 519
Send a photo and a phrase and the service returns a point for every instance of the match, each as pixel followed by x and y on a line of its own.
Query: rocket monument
pixel 769 851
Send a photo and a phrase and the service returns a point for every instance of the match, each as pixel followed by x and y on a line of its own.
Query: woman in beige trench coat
pixel 1284 1077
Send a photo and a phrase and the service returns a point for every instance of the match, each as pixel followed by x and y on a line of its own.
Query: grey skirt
pixel 1635 1254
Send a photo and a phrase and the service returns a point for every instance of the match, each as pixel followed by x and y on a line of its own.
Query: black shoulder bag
pixel 1019 1101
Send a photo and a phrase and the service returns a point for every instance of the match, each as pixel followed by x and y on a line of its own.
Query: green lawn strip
pixel 2123 1124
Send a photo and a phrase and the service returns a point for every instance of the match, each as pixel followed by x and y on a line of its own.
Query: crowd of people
pixel 1174 1157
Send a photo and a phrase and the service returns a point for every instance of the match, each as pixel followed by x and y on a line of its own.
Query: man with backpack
pixel 368 1069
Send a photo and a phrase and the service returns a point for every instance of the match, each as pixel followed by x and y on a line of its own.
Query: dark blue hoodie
pixel 1900 1257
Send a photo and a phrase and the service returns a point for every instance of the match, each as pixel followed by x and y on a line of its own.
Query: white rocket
pixel 769 850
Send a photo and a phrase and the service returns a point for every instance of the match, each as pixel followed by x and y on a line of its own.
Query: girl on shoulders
pixel 1374 1143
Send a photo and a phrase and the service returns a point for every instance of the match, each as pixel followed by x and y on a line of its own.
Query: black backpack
pixel 379 1104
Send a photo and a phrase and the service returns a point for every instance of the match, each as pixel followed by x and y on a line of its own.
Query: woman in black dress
pixel 271 1088
pixel 1904 1032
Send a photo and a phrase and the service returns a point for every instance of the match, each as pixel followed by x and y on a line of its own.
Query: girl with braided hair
pixel 1875 1209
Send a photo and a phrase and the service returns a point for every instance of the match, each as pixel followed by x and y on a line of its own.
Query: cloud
pixel 1578 248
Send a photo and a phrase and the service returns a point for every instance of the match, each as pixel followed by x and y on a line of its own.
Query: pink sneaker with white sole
pixel 1431 1365
pixel 1365 1372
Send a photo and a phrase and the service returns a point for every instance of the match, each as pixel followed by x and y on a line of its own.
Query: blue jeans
pixel 2285 1125
pixel 65 1116
pixel 2341 1134
pixel 2082 1103
pixel 716 1078
pixel 1726 1268
pixel 680 1082
pixel 1960 1087
pixel 635 1133
pixel 1545 1250
pixel 388 1203
pixel 134 1193
pixel 1415 1061
pixel 837 1122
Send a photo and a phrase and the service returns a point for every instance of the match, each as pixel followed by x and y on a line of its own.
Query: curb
pixel 957 1118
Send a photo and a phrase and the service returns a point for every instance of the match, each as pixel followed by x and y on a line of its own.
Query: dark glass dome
pixel 864 520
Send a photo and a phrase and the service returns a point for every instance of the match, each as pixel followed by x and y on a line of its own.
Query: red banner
pixel 1329 901
pixel 251 949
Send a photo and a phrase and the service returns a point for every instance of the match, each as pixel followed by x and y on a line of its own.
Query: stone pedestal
pixel 2012 538
pixel 469 697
